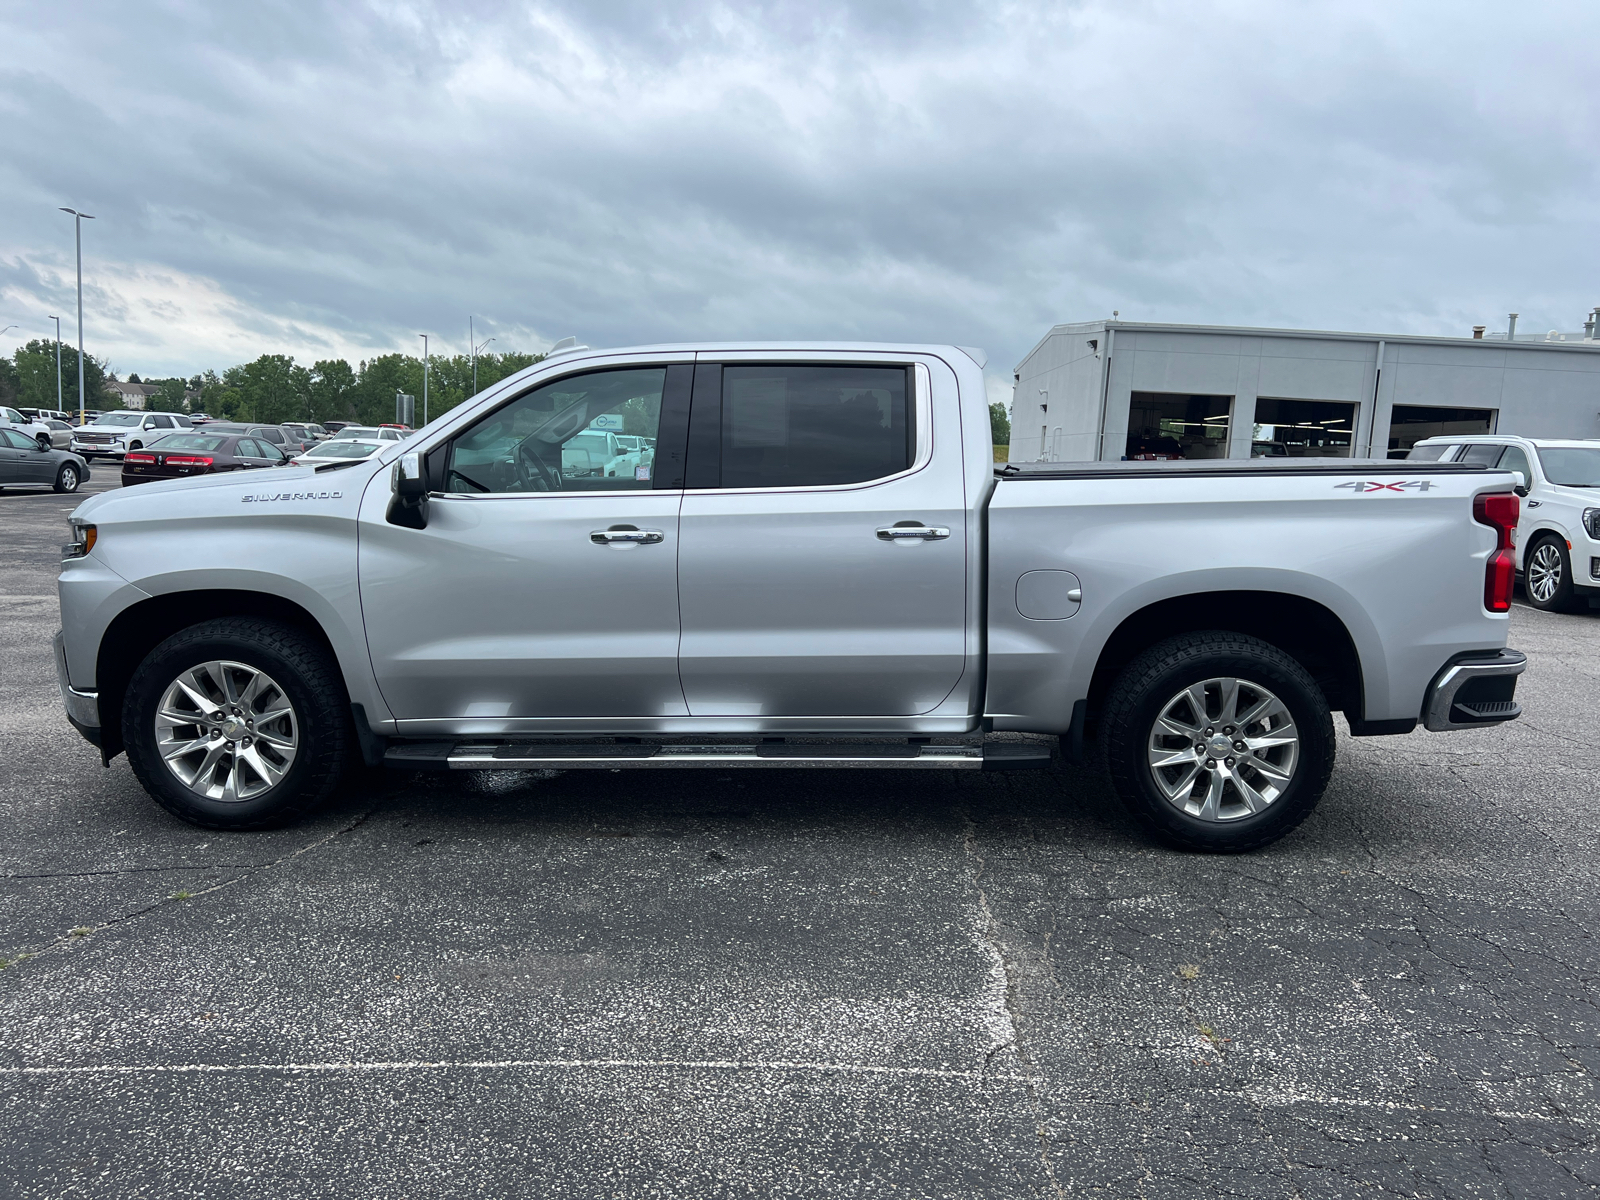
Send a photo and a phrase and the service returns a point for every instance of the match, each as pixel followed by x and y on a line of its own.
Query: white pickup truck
pixel 821 567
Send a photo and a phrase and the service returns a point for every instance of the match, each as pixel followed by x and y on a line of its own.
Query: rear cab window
pixel 794 425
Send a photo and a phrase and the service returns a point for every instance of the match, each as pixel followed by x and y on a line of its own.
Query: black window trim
pixel 705 448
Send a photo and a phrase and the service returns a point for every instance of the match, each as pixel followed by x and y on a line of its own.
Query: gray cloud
pixel 335 177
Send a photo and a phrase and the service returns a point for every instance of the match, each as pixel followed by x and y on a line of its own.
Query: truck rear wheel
pixel 1217 741
pixel 237 723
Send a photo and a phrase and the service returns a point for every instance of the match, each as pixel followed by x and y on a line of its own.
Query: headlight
pixel 83 539
pixel 1591 522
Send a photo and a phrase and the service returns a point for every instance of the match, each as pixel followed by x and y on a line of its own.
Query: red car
pixel 180 455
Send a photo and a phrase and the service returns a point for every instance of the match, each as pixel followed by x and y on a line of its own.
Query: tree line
pixel 272 389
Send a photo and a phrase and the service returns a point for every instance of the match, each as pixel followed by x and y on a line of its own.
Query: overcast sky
pixel 329 179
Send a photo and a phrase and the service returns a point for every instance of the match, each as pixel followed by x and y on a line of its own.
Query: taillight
pixel 1499 511
pixel 135 456
pixel 188 460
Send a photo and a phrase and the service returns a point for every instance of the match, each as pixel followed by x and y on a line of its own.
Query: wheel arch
pixel 1309 632
pixel 141 627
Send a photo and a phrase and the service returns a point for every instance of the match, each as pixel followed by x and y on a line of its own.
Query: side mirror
pixel 1519 483
pixel 408 500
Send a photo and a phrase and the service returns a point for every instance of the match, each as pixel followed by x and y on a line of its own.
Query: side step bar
pixel 523 756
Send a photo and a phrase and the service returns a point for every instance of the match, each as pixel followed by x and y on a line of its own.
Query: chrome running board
pixel 526 756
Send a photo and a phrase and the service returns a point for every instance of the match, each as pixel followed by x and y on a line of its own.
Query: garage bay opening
pixel 1410 423
pixel 1162 426
pixel 1303 429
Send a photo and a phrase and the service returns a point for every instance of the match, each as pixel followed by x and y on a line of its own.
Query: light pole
pixel 425 361
pixel 475 351
pixel 78 218
pixel 57 320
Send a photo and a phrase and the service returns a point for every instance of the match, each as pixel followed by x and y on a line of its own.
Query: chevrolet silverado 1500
pixel 818 566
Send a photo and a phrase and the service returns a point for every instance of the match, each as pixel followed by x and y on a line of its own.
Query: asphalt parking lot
pixel 798 984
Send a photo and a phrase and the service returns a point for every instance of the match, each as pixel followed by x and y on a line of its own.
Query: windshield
pixel 1571 466
pixel 187 441
pixel 356 431
pixel 121 419
pixel 342 448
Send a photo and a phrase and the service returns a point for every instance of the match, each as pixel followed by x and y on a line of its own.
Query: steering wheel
pixel 550 479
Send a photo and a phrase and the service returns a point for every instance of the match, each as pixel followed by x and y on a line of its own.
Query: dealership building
pixel 1124 389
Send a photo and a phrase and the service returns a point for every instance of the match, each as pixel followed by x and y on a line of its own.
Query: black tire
pixel 1145 690
pixel 1546 557
pixel 308 678
pixel 43 439
pixel 68 478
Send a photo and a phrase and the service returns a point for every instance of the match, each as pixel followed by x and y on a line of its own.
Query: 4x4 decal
pixel 1366 486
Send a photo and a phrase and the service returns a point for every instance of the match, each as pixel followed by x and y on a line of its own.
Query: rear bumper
pixel 83 708
pixel 1473 690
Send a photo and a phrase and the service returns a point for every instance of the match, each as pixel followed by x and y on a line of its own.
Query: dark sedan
pixel 24 462
pixel 182 455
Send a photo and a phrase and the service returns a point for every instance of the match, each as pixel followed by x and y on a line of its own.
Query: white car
pixel 10 418
pixel 336 449
pixel 598 453
pixel 380 433
pixel 115 433
pixel 1558 533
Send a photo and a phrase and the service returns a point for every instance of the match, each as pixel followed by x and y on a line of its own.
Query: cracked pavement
pixel 798 984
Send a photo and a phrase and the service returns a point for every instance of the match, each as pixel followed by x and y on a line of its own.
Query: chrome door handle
pixel 922 533
pixel 642 537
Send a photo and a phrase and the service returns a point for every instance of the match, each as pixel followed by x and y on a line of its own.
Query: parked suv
pixel 115 433
pixel 10 418
pixel 1558 534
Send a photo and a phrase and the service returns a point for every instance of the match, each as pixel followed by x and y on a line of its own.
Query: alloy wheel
pixel 1544 572
pixel 226 730
pixel 1223 749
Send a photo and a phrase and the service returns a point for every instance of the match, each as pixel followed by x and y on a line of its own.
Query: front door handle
pixel 627 534
pixel 913 532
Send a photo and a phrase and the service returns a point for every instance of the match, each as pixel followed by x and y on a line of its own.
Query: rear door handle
pixel 909 532
pixel 627 533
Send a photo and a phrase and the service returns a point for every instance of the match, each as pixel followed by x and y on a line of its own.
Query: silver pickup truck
pixel 818 566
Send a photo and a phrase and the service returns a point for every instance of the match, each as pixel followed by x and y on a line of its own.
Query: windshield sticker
pixel 641 473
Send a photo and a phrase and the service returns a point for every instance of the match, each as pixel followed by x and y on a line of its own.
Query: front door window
pixel 595 432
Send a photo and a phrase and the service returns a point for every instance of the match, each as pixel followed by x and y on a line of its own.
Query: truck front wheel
pixel 1217 741
pixel 237 723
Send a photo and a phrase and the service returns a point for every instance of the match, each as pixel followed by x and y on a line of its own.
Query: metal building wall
pixel 1538 389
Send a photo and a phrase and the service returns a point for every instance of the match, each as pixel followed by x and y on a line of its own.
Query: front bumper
pixel 1474 690
pixel 98 449
pixel 83 708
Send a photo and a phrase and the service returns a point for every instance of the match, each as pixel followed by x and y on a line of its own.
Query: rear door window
pixel 1429 453
pixel 1516 460
pixel 1484 454
pixel 799 425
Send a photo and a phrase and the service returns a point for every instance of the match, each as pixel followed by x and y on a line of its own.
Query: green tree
pixel 169 397
pixel 10 384
pixel 271 389
pixel 35 366
pixel 331 388
pixel 999 425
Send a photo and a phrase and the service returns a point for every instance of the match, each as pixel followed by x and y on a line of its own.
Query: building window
pixel 1303 429
pixel 1410 423
pixel 1168 426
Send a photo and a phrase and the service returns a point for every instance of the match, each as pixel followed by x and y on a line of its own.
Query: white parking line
pixel 558 1064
